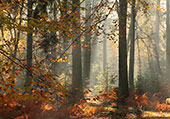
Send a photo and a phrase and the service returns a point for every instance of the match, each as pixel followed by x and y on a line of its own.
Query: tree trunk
pixel 64 65
pixel 18 36
pixel 157 39
pixel 29 46
pixel 132 47
pixel 76 61
pixel 56 66
pixel 94 53
pixel 139 60
pixel 2 31
pixel 167 42
pixel 105 62
pixel 123 79
pixel 87 50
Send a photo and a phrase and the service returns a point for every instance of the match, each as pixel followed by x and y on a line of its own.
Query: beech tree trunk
pixel 167 42
pixel 105 71
pixel 87 50
pixel 77 82
pixel 29 46
pixel 132 46
pixel 123 78
pixel 157 39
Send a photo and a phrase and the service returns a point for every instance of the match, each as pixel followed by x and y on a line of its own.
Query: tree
pixel 18 35
pixel 105 70
pixel 94 53
pixel 123 79
pixel 29 44
pixel 132 46
pixel 40 8
pixel 77 81
pixel 167 40
pixel 64 17
pixel 157 39
pixel 87 50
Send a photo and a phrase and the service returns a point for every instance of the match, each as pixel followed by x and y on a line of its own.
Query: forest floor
pixel 149 114
pixel 33 110
pixel 103 106
pixel 145 115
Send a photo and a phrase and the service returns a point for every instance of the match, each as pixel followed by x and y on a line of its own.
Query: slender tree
pixel 157 40
pixel 94 53
pixel 87 50
pixel 64 18
pixel 40 8
pixel 132 46
pixel 123 79
pixel 77 81
pixel 18 34
pixel 105 60
pixel 29 44
pixel 167 41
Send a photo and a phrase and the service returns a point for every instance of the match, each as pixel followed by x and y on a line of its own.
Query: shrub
pixel 147 84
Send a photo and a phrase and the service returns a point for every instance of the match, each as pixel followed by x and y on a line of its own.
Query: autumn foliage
pixel 22 106
pixel 155 102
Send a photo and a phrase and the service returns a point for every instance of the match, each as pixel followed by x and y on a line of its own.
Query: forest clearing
pixel 84 59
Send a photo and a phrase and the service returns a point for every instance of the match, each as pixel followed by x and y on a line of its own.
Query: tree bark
pixel 157 39
pixel 29 46
pixel 105 75
pixel 94 53
pixel 76 60
pixel 18 35
pixel 132 46
pixel 64 12
pixel 87 50
pixel 123 79
pixel 167 41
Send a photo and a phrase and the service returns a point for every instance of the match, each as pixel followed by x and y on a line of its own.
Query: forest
pixel 84 59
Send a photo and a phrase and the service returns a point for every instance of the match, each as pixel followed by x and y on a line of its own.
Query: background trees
pixel 59 49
